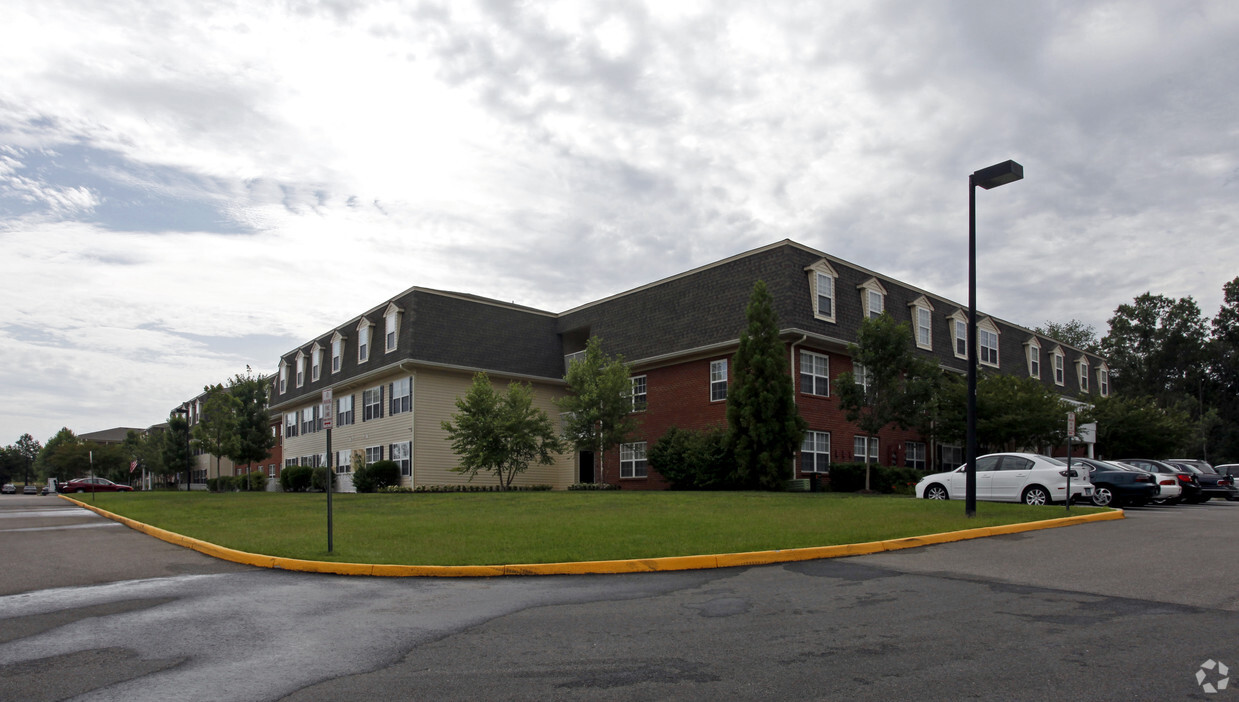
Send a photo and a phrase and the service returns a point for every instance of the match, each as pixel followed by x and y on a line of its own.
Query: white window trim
pixel 714 381
pixel 1082 373
pixel 874 445
pixel 1058 365
pixel 1032 354
pixel 1103 379
pixel 918 305
pixel 812 436
pixel 283 377
pixel 988 325
pixel 871 287
pixel 806 355
pixel 391 327
pixel 824 269
pixel 912 447
pixel 633 454
pixel 316 362
pixel 337 352
pixel 300 362
pixel 363 349
pixel 958 317
pixel 639 406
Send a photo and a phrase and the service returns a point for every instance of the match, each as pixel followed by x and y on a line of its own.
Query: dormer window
pixel 822 279
pixel 300 369
pixel 283 377
pixel 316 362
pixel 987 342
pixel 392 321
pixel 959 333
pixel 1059 361
pixel 1082 372
pixel 337 352
pixel 1103 380
pixel 922 321
pixel 1033 351
pixel 873 298
pixel 363 341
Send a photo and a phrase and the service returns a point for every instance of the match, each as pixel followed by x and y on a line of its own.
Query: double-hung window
pixel 337 353
pixel 825 295
pixel 344 461
pixel 309 416
pixel 814 374
pixel 344 410
pixel 1103 381
pixel 372 403
pixel 989 346
pixel 300 369
pixel 914 455
pixel 401 396
pixel 632 460
pixel 392 323
pixel 865 448
pixel 400 454
pixel 1059 367
pixel 283 378
pixel 815 452
pixel 961 338
pixel 1034 360
pixel 1082 371
pixel 862 376
pixel 924 328
pixel 374 454
pixel 316 362
pixel 718 380
pixel 363 341
pixel 290 424
pixel 637 384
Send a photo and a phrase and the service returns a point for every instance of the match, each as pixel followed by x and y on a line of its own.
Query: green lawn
pixel 547 527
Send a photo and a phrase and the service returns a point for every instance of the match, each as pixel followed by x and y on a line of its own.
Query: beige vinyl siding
pixel 434 400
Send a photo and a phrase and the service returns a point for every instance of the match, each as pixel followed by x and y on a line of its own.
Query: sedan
pixel 1211 483
pixel 30 489
pixel 9 489
pixel 93 485
pixel 1115 485
pixel 1010 477
pixel 1187 481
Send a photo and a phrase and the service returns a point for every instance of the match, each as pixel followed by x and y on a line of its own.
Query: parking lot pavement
pixel 53 543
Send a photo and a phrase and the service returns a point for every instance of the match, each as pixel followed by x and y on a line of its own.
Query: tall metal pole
pixel 970 503
pixel 329 481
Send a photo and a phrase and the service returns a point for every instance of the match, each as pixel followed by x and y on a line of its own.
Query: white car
pixel 1171 491
pixel 1010 477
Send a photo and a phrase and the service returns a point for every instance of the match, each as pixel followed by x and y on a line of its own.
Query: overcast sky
pixel 188 188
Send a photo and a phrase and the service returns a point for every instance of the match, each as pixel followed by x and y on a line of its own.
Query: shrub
pixel 593 486
pixel 376 476
pixel 850 477
pixel 255 481
pixel 224 483
pixel 296 478
pixel 318 479
pixel 695 460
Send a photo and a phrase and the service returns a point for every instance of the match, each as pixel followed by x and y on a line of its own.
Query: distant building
pixel 396 370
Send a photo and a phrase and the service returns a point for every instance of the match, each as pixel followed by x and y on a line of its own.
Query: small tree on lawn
pixel 891 383
pixel 253 439
pixel 215 432
pixel 766 427
pixel 597 412
pixel 500 433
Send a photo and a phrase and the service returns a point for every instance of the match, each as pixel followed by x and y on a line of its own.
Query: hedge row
pixel 257 482
pixel 479 488
pixel 850 477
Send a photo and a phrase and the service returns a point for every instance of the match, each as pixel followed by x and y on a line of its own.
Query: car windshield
pixel 1189 468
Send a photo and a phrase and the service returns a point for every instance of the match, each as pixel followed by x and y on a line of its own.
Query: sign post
pixel 1071 432
pixel 327 417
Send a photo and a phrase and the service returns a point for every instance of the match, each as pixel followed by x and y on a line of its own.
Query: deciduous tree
pixel 215 432
pixel 597 411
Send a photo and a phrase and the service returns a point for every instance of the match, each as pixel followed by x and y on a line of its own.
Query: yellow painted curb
pixel 633 565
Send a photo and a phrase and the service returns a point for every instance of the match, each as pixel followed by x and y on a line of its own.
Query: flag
pixel 133 465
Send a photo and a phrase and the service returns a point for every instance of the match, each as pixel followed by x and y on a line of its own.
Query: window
pixel 290 462
pixel 952 456
pixel 989 346
pixel 400 454
pixel 374 454
pixel 872 298
pixel 309 417
pixel 1103 380
pixel 718 380
pixel 875 304
pixel 815 452
pixel 924 327
pixel 1034 359
pixel 1082 371
pixel 862 376
pixel 1059 367
pixel 300 369
pixel 337 352
pixel 290 424
pixel 344 461
pixel 372 403
pixel 914 455
pixel 363 341
pixel 960 324
pixel 638 393
pixel 859 449
pixel 316 362
pixel 822 289
pixel 632 460
pixel 571 358
pixel 401 396
pixel 344 410
pixel 814 374
pixel 283 378
pixel 392 320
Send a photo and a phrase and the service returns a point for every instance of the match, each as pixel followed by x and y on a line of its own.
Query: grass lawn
pixel 547 527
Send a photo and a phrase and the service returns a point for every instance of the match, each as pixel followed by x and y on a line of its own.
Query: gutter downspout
pixel 791 366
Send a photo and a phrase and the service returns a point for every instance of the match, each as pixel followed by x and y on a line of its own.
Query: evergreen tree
pixel 765 424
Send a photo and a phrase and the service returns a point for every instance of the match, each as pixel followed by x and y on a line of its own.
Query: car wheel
pixel 936 492
pixel 1036 495
pixel 1104 497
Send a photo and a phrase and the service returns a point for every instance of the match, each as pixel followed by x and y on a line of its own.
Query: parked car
pixel 1115 485
pixel 9 489
pixel 1230 470
pixel 1212 484
pixel 1170 492
pixel 1191 492
pixel 30 489
pixel 93 485
pixel 1010 477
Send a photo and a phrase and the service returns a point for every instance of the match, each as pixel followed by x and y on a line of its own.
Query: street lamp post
pixel 991 177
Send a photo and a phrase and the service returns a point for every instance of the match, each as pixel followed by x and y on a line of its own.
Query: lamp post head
pixel 998 174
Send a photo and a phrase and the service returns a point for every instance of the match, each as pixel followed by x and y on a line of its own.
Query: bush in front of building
pixel 850 477
pixel 695 460
pixel 255 481
pixel 376 476
pixel 224 483
pixel 296 478
pixel 318 479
